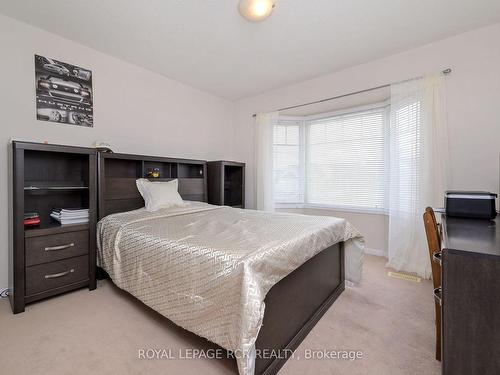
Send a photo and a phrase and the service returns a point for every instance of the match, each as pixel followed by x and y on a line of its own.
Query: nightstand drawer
pixel 56 274
pixel 46 249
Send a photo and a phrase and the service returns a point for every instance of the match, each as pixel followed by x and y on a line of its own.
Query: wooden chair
pixel 434 243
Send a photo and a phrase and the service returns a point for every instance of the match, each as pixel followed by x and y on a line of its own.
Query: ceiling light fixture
pixel 256 10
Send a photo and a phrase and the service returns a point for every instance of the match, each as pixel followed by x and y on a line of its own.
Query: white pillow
pixel 159 194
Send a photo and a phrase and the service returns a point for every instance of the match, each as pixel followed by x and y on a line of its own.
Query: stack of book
pixel 31 219
pixel 71 215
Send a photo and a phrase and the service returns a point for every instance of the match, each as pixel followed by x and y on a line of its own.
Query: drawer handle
pixel 60 274
pixel 437 295
pixel 62 247
pixel 437 257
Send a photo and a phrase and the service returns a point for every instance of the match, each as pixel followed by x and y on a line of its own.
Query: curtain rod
pixel 445 72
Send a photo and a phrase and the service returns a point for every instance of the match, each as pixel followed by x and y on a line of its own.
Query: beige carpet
pixel 101 332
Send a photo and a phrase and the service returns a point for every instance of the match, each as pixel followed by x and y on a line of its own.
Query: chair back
pixel 434 243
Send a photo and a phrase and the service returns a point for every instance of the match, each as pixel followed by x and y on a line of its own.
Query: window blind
pixel 406 161
pixel 346 160
pixel 287 162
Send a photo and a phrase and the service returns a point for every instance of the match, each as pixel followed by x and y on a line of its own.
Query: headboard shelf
pixel 118 173
pixel 167 170
pixel 190 170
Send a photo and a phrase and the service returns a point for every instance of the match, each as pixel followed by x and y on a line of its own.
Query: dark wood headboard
pixel 117 191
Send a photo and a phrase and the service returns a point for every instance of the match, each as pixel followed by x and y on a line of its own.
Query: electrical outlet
pixel 4 293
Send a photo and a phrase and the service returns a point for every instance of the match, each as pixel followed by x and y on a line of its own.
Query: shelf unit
pixel 118 174
pixel 226 183
pixel 52 189
pixel 44 177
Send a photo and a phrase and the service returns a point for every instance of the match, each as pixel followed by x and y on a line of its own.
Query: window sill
pixel 360 210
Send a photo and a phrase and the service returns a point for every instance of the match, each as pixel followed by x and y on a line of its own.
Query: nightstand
pixel 226 183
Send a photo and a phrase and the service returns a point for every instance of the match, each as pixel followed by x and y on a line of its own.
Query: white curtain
pixel 418 168
pixel 264 127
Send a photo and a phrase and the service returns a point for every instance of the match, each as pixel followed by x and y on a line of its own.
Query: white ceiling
pixel 206 44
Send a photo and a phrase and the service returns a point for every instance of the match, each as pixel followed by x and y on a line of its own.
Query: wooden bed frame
pixel 293 306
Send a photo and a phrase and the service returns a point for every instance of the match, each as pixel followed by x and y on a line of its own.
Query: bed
pixel 243 279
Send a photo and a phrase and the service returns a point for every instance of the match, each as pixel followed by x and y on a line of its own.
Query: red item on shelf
pixel 32 222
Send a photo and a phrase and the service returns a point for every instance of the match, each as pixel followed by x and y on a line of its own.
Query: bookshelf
pixel 226 183
pixel 50 258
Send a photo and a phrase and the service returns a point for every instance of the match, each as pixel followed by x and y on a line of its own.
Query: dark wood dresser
pixel 50 258
pixel 226 183
pixel 470 296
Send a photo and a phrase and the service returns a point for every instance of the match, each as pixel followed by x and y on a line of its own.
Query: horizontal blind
pixel 288 186
pixel 346 160
pixel 405 155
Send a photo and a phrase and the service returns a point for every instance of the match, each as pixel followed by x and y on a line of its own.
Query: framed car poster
pixel 63 92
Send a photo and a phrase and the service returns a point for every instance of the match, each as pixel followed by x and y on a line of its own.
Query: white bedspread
pixel 208 268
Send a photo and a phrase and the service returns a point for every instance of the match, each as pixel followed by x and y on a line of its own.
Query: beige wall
pixel 137 111
pixel 473 98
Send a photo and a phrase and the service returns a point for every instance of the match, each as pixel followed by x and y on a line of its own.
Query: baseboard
pixel 376 252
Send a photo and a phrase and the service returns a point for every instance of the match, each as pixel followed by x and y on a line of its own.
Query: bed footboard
pixel 296 303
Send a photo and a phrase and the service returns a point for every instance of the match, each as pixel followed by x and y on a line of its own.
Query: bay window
pixel 337 160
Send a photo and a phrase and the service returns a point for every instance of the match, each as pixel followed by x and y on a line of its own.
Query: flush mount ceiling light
pixel 256 10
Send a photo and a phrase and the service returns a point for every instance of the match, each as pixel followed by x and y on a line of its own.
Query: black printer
pixel 471 204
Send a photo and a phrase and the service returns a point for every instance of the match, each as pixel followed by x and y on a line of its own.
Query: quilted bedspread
pixel 208 268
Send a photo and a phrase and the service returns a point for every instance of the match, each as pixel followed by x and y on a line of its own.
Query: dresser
pixel 470 296
pixel 50 258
